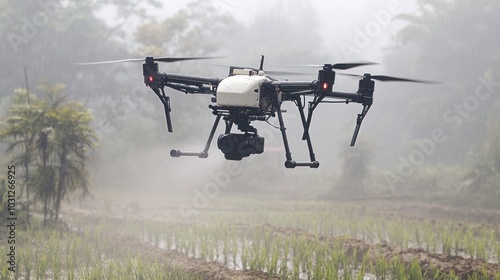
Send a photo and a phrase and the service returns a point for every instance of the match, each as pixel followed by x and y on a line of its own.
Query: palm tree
pixel 20 132
pixel 62 147
pixel 73 137
pixel 52 137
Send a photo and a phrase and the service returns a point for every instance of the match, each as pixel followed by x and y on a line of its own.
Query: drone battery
pixel 240 91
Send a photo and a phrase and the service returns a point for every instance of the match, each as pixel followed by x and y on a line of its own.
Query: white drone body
pixel 242 89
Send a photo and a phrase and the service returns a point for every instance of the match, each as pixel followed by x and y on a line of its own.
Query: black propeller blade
pixel 274 72
pixel 270 72
pixel 383 78
pixel 160 59
pixel 338 66
pixel 346 66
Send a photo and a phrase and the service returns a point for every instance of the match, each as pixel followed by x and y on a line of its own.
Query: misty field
pixel 89 188
pixel 262 239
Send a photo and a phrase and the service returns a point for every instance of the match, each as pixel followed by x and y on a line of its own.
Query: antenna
pixel 261 68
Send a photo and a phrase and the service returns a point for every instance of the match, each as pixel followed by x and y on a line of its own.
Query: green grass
pixel 49 253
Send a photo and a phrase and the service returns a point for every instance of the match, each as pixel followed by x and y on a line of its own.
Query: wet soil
pixel 428 261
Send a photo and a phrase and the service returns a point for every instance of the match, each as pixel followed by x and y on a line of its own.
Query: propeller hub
pixel 328 67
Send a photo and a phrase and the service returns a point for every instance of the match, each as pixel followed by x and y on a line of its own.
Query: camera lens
pixel 227 143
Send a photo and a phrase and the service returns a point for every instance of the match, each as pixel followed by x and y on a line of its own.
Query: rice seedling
pixel 332 267
pixel 398 270
pixel 347 270
pixel 318 270
pixel 362 269
pixel 235 251
pixel 417 235
pixel 497 250
pixel 26 258
pixel 295 263
pixel 415 272
pixel 258 257
pixel 446 241
pixel 55 262
pixel 481 248
pixel 452 276
pixel 380 267
pixel 5 272
pixel 272 263
pixel 283 269
pixel 245 255
pixel 483 275
pixel 41 267
pixel 457 243
pixel 469 244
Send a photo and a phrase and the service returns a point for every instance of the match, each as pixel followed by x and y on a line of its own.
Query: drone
pixel 248 94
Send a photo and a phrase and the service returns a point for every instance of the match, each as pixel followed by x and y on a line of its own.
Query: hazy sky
pixel 352 29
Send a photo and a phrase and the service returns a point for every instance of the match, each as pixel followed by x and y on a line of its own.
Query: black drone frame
pixel 276 91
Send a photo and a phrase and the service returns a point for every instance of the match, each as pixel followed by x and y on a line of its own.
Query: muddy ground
pixel 463 267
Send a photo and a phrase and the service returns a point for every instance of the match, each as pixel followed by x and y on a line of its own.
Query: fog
pixel 415 137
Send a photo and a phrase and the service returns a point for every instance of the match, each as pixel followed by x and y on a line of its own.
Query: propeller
pixel 383 78
pixel 270 72
pixel 160 59
pixel 338 66
pixel 274 72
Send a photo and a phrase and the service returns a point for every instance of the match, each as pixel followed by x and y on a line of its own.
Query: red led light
pixel 325 86
pixel 151 79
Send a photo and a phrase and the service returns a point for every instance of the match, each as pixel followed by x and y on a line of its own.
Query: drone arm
pixel 349 97
pixel 203 89
pixel 301 89
pixel 191 80
pixel 293 88
pixel 189 84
